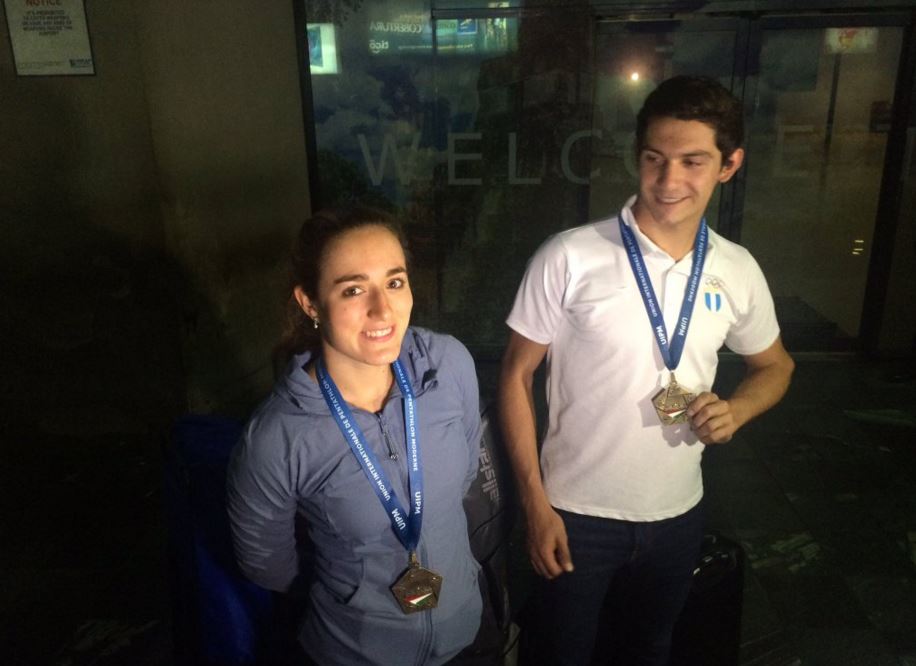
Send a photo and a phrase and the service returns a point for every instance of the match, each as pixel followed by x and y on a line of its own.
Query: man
pixel 610 305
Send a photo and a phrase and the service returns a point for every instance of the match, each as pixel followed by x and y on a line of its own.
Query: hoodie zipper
pixel 426 644
pixel 392 454
pixel 424 648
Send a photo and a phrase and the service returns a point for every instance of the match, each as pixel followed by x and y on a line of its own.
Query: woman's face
pixel 363 300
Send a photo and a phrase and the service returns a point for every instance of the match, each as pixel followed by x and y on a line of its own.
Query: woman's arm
pixel 466 378
pixel 261 501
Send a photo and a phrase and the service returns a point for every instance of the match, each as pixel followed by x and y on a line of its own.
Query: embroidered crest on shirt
pixel 712 294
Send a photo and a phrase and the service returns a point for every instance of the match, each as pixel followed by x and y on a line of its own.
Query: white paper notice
pixel 49 37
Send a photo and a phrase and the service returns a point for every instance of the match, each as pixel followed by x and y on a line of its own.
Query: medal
pixel 417 589
pixel 671 403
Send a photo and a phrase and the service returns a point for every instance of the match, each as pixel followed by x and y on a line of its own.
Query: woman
pixel 372 435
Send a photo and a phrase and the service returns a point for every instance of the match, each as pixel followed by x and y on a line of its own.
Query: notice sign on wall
pixel 49 37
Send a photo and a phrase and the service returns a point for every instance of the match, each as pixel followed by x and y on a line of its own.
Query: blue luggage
pixel 219 617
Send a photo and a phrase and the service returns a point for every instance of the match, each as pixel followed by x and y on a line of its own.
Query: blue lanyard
pixel 671 350
pixel 406 526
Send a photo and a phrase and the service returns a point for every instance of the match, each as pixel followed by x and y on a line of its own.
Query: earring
pixel 315 322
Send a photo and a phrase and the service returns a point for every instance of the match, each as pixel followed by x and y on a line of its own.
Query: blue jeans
pixel 647 566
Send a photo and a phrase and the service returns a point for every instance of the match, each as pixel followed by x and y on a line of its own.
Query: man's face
pixel 679 168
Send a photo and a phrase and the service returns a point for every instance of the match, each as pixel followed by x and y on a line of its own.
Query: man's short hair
pixel 695 98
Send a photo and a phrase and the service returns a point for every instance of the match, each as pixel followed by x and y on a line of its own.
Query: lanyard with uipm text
pixel 405 525
pixel 671 350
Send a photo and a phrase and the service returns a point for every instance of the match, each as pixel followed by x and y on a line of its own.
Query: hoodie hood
pixel 303 392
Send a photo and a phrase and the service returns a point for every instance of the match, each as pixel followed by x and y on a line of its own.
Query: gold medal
pixel 671 403
pixel 417 589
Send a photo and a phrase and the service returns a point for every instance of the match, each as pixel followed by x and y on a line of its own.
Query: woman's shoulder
pixel 278 425
pixel 441 349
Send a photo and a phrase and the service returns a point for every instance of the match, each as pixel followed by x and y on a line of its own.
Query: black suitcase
pixel 708 633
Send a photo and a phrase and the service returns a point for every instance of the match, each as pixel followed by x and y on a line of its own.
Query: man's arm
pixel 768 374
pixel 547 544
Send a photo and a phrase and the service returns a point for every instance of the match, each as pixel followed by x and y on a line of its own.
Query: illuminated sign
pixel 413 33
pixel 402 33
pixel 322 38
pixel 476 35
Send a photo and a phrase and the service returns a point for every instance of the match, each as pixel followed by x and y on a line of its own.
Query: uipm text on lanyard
pixel 672 401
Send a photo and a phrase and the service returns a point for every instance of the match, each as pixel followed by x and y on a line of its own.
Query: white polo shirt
pixel 605 452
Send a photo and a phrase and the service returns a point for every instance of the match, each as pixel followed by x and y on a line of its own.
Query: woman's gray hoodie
pixel 293 458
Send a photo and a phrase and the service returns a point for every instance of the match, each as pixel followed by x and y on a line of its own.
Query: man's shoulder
pixel 584 239
pixel 729 254
pixel 601 227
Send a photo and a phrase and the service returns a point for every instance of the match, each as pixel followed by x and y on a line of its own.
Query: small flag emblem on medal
pixel 419 599
pixel 675 413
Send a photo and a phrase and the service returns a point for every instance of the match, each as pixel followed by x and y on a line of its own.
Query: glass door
pixel 819 117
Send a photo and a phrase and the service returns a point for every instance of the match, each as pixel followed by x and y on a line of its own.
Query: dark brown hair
pixel 695 98
pixel 307 260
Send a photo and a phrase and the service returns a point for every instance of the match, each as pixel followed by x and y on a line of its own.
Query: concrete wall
pixel 146 214
pixel 226 125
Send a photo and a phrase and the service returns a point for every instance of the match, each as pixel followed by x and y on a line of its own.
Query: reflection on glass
pixel 475 130
pixel 476 35
pixel 518 119
pixel 395 32
pixel 815 158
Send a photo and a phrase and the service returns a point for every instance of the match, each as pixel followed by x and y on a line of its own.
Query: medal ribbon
pixel 671 350
pixel 405 525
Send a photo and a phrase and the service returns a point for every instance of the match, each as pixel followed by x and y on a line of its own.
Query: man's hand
pixel 547 545
pixel 712 419
pixel 715 420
